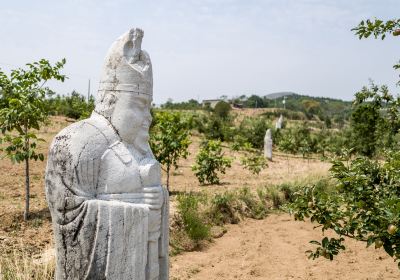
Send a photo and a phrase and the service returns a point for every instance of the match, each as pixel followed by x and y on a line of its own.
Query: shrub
pixel 298 140
pixel 219 129
pixel 193 223
pixel 272 196
pixel 364 205
pixel 253 160
pixel 252 207
pixel 224 209
pixel 253 130
pixel 239 142
pixel 276 197
pixel 209 161
pixel 288 191
pixel 73 106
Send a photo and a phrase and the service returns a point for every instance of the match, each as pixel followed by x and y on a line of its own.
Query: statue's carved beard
pixel 141 142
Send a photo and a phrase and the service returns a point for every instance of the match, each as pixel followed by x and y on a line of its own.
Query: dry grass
pixel 20 266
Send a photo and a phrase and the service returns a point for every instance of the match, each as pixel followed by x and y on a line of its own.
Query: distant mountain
pixel 321 107
pixel 276 95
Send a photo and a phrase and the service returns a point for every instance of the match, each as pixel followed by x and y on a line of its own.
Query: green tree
pixel 209 161
pixel 222 110
pixel 219 129
pixel 379 29
pixel 77 107
pixel 254 101
pixel 169 139
pixel 192 104
pixel 298 140
pixel 363 203
pixel 364 121
pixel 311 107
pixel 375 120
pixel 23 110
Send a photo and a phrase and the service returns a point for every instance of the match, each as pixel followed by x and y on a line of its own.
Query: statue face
pixel 132 118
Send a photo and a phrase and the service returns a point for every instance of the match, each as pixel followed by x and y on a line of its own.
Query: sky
pixel 205 49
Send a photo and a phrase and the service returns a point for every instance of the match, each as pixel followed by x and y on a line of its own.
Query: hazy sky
pixel 204 49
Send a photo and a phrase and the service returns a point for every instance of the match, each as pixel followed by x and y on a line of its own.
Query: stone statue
pixel 279 123
pixel 103 184
pixel 268 144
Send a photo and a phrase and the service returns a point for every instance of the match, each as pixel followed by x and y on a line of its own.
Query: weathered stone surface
pixel 268 144
pixel 103 184
pixel 279 123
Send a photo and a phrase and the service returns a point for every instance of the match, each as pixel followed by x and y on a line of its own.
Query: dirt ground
pixel 36 234
pixel 274 248
pixel 268 249
pixel 282 169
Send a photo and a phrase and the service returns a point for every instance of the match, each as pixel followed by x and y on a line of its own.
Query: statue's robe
pixel 97 238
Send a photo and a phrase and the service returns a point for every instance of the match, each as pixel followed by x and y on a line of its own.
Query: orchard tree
pixel 169 139
pixel 364 202
pixel 370 101
pixel 375 120
pixel 209 161
pixel 222 109
pixel 252 159
pixel 379 29
pixel 23 110
pixel 363 205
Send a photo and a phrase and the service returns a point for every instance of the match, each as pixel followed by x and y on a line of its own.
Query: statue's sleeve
pixel 164 238
pixel 95 239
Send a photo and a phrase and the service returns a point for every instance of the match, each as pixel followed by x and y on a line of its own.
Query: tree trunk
pixel 27 190
pixel 168 168
pixel 26 213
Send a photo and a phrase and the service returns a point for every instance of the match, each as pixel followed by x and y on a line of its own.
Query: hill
pixel 322 108
pixel 276 95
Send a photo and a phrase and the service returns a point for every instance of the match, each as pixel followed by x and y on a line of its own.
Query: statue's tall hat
pixel 127 67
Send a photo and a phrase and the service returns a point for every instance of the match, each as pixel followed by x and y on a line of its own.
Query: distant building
pixel 238 105
pixel 210 102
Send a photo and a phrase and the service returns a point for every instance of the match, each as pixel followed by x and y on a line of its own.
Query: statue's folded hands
pixel 153 196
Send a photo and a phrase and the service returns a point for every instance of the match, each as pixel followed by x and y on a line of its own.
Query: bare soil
pixel 283 168
pixel 274 248
pixel 35 235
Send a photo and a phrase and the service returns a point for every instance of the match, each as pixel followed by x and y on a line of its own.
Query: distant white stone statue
pixel 279 123
pixel 103 184
pixel 268 144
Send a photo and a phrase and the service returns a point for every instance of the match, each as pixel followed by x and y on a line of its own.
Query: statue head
pixel 126 89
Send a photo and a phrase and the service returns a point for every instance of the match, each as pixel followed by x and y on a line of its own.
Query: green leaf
pixel 41 157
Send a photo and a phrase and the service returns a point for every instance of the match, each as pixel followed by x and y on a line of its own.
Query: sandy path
pixel 274 249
